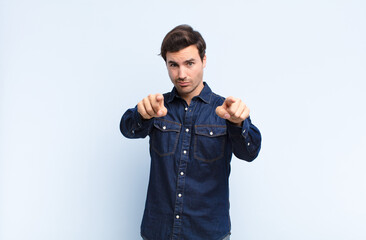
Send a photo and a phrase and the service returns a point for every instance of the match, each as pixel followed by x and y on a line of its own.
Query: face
pixel 185 69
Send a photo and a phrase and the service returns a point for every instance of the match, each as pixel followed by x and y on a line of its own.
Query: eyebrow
pixel 190 60
pixel 186 61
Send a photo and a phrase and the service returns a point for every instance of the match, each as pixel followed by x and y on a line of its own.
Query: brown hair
pixel 181 37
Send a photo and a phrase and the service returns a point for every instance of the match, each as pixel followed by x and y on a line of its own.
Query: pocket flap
pixel 166 126
pixel 210 130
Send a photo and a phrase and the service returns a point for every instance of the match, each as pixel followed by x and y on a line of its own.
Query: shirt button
pixel 185 152
pixel 248 143
pixel 187 130
pixel 164 127
pixel 133 131
pixel 185 109
pixel 181 173
pixel 211 133
pixel 244 130
pixel 179 195
pixel 177 216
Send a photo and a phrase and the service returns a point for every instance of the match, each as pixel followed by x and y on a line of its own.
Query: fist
pixel 152 106
pixel 233 110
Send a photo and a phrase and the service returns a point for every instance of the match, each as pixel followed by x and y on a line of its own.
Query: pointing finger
pixel 159 98
pixel 221 112
pixel 155 104
pixel 159 105
pixel 229 100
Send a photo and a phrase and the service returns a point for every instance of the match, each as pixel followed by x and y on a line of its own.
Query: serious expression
pixel 185 69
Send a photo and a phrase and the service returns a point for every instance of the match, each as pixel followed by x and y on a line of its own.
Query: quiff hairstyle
pixel 180 37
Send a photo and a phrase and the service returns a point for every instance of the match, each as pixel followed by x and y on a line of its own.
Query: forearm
pixel 246 140
pixel 133 126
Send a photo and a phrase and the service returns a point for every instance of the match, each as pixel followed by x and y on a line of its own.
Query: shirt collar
pixel 205 94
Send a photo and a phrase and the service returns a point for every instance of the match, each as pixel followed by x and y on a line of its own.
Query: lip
pixel 183 84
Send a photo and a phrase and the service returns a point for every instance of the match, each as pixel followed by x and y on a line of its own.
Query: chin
pixel 184 90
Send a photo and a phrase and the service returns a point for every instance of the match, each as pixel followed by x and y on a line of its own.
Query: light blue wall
pixel 69 69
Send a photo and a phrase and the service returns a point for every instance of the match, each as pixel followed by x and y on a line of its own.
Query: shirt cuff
pixel 237 131
pixel 139 122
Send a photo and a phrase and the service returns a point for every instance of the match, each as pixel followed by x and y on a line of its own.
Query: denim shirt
pixel 191 149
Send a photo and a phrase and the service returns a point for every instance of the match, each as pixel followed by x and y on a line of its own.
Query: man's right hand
pixel 152 106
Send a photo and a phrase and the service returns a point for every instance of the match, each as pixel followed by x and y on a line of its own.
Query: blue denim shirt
pixel 191 149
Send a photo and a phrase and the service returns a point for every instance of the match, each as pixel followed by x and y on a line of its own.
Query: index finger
pixel 159 97
pixel 157 102
pixel 230 100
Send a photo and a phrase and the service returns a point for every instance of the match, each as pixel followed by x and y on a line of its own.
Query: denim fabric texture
pixel 191 150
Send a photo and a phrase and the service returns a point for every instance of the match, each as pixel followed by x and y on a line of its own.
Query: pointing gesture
pixel 152 106
pixel 233 110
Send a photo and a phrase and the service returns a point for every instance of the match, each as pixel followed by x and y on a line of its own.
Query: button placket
pixel 181 179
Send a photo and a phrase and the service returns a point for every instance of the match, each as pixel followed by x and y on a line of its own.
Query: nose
pixel 182 74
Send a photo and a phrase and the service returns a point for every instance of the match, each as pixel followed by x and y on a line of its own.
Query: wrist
pixel 239 124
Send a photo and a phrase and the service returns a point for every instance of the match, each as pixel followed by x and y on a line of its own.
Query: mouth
pixel 183 84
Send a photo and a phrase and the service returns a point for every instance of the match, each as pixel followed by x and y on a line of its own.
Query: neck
pixel 188 97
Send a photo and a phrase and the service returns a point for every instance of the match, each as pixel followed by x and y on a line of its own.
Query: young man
pixel 193 133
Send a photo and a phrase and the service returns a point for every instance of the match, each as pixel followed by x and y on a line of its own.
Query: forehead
pixel 190 52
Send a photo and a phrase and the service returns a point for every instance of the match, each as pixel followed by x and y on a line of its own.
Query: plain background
pixel 69 70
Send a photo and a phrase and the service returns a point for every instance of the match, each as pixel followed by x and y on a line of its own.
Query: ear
pixel 204 61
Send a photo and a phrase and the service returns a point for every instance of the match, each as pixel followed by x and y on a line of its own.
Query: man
pixel 193 133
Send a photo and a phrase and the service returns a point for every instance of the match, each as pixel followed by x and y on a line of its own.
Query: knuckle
pixel 245 115
pixel 151 113
pixel 141 105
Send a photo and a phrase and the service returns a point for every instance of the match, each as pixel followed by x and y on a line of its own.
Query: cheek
pixel 197 73
pixel 171 74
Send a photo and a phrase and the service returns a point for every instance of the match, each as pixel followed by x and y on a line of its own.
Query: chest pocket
pixel 164 136
pixel 209 142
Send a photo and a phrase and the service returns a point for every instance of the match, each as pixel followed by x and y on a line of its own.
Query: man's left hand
pixel 233 110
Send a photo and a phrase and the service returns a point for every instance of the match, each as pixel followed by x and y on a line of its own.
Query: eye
pixel 190 63
pixel 173 65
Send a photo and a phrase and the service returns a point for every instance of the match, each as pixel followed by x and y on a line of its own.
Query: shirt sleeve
pixel 246 140
pixel 133 126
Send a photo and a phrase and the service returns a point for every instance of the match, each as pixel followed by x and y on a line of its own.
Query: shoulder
pixel 216 99
pixel 168 96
